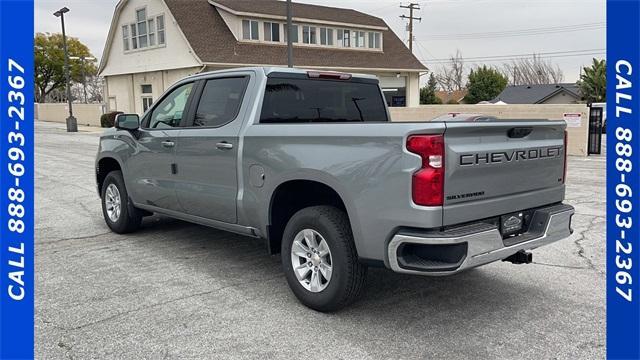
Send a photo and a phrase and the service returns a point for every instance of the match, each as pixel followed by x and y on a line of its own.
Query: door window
pixel 168 113
pixel 220 101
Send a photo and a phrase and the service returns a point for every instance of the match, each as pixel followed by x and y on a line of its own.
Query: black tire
pixel 348 275
pixel 130 217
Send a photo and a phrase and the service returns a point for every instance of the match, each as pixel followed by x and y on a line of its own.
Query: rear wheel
pixel 119 214
pixel 320 260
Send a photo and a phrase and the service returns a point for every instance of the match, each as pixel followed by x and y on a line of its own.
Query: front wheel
pixel 319 259
pixel 121 216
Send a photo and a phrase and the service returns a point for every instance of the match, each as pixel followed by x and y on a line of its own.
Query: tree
pixel 428 92
pixel 593 82
pixel 533 71
pixel 451 75
pixel 49 63
pixel 484 84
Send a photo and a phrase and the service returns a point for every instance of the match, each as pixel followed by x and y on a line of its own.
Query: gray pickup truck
pixel 310 162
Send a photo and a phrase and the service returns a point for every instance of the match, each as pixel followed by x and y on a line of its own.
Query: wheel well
pixel 292 196
pixel 105 166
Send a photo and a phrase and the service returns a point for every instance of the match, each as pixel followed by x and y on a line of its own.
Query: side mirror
pixel 127 122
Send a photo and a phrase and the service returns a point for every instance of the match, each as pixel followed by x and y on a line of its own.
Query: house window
pixel 147 97
pixel 141 22
pixel 160 27
pixel 152 32
pixel 358 37
pixel 326 36
pixel 134 37
pixel 344 38
pixel 250 30
pixel 125 37
pixel 294 33
pixel 271 31
pixel 146 103
pixel 309 34
pixel 145 32
pixel 374 40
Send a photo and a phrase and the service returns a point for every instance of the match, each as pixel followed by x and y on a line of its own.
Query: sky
pixel 568 32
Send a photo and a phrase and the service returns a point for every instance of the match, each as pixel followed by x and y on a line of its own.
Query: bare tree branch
pixel 450 76
pixel 532 71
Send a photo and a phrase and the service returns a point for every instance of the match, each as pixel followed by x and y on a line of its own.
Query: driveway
pixel 177 290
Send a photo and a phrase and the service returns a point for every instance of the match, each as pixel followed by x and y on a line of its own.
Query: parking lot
pixel 177 290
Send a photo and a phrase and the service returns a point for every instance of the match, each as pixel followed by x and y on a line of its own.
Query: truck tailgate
pixel 497 167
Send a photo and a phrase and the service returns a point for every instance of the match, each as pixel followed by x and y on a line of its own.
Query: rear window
pixel 308 101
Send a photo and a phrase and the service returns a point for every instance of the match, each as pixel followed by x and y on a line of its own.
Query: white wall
pixel 127 89
pixel 175 54
pixel 86 114
pixel 413 89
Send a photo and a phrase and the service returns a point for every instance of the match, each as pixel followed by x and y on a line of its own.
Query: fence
pixel 578 131
pixel 86 114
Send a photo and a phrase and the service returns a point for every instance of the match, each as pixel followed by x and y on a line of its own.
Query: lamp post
pixel 72 123
pixel 84 76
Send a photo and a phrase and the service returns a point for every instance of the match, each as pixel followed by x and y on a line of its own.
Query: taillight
pixel 566 150
pixel 428 182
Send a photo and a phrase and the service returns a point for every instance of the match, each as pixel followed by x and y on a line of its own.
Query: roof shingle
pixel 307 11
pixel 534 94
pixel 213 42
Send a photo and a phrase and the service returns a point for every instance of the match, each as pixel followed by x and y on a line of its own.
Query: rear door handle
pixel 168 144
pixel 224 145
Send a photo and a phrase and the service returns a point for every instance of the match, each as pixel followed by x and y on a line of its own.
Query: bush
pixel 109 119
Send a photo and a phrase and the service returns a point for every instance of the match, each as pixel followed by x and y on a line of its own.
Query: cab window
pixel 169 111
pixel 220 101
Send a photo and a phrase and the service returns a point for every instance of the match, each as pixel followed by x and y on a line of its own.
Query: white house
pixel 153 43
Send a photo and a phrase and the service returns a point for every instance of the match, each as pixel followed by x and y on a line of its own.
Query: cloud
pixel 90 21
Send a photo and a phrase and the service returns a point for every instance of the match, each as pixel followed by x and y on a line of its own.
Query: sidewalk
pixel 63 126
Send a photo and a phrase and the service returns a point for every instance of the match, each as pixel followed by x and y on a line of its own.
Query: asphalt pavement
pixel 175 290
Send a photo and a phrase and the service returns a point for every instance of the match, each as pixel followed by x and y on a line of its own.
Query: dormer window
pixel 374 40
pixel 309 35
pixel 326 36
pixel 271 31
pixel 358 37
pixel 344 38
pixel 268 31
pixel 294 34
pixel 144 32
pixel 250 30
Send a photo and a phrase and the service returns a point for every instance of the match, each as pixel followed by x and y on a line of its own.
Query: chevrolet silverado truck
pixel 310 162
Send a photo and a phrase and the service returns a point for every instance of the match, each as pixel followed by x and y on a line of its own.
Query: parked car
pixel 309 162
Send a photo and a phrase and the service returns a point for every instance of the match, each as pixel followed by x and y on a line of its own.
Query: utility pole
pixel 289 39
pixel 411 7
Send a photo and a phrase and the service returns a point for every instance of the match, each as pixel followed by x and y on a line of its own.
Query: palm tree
pixel 593 82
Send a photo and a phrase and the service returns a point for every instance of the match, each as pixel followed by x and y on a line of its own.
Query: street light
pixel 72 123
pixel 84 78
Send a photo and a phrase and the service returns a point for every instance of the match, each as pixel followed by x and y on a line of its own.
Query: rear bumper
pixel 473 245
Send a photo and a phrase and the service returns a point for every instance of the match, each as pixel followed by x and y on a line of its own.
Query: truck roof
pixel 275 69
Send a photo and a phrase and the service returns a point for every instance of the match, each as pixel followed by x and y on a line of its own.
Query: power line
pixel 522 32
pixel 516 58
pixel 411 7
pixel 529 54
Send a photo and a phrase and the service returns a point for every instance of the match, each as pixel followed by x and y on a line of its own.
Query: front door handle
pixel 224 145
pixel 168 144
